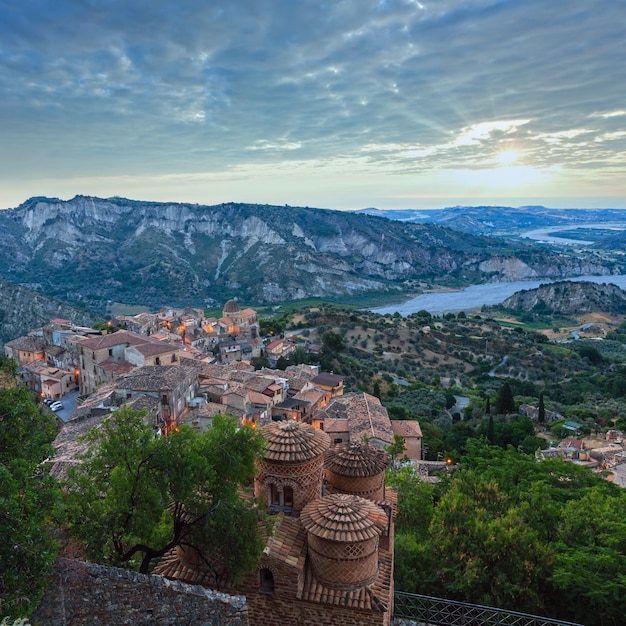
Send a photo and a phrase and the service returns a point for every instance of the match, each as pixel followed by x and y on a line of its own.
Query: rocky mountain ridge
pixel 569 298
pixel 22 310
pixel 94 250
pixel 499 220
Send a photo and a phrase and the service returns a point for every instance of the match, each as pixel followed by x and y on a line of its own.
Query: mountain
pixel 92 250
pixel 498 220
pixel 569 298
pixel 22 309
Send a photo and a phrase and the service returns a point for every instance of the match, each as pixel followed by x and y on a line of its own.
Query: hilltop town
pixel 183 368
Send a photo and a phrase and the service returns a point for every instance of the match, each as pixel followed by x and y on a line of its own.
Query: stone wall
pixel 84 594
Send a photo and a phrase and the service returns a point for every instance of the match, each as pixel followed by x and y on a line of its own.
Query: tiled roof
pixel 114 339
pixel 155 378
pixel 287 542
pixel 374 597
pixel 118 368
pixel 292 441
pixel 69 445
pixel 356 459
pixel 155 347
pixel 336 426
pixel 406 428
pixel 343 517
pixel 327 380
pixel 26 344
pixel 258 398
pixel 366 415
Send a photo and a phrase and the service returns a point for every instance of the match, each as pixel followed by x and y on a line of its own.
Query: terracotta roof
pixel 406 428
pixel 374 597
pixel 365 414
pixel 356 459
pixel 288 542
pixel 117 368
pixel 332 425
pixel 328 380
pixel 293 441
pixel 231 307
pixel 151 348
pixel 114 339
pixel 343 517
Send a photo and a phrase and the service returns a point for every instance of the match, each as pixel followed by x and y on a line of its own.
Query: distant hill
pixel 92 250
pixel 569 298
pixel 22 310
pixel 499 220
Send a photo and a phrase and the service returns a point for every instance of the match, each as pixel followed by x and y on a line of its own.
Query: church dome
pixel 345 518
pixel 358 469
pixel 357 460
pixel 343 533
pixel 231 307
pixel 292 441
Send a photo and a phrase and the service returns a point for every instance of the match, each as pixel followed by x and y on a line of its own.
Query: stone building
pixel 329 556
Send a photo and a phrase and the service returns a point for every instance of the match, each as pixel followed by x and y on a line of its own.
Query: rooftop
pixel 345 518
pixel 292 441
pixel 356 459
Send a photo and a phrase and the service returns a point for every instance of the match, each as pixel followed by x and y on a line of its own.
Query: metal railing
pixel 427 611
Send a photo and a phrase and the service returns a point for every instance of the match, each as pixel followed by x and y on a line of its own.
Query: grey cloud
pixel 196 84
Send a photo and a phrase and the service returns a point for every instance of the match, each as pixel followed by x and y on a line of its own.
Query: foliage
pixel 29 498
pixel 136 496
pixel 504 400
pixel 505 530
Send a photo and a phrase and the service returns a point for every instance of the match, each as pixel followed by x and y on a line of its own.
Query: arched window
pixel 266 580
pixel 288 497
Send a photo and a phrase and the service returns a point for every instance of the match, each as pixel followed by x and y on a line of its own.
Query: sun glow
pixel 507 157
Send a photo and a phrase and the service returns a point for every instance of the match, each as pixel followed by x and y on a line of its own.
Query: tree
pixel 332 342
pixel 29 499
pixel 136 495
pixel 504 400
pixel 396 449
pixel 491 431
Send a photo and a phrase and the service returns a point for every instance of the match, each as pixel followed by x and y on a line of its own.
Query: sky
pixel 341 104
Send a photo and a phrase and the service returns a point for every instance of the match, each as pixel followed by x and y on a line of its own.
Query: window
pixel 110 351
pixel 288 497
pixel 274 495
pixel 266 580
pixel 157 361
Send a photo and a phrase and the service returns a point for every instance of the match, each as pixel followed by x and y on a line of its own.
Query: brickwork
pixel 369 487
pixel 84 594
pixel 281 611
pixel 304 478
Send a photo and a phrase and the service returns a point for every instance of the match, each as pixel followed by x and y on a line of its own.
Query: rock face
pixel 22 309
pixel 569 298
pixel 94 250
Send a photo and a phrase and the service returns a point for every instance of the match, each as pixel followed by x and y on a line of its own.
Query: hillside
pixel 569 298
pixel 499 220
pixel 22 309
pixel 92 250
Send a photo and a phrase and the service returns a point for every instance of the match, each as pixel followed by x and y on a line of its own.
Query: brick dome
pixel 290 470
pixel 292 441
pixel 357 469
pixel 343 517
pixel 231 307
pixel 357 459
pixel 343 533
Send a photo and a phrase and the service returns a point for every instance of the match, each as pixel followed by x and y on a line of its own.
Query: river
pixel 476 296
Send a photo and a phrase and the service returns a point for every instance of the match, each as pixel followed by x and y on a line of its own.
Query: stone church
pixel 329 557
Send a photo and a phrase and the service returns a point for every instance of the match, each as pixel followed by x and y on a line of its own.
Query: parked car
pixel 56 406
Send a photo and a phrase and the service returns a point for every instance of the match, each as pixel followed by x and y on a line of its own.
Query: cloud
pixel 129 87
